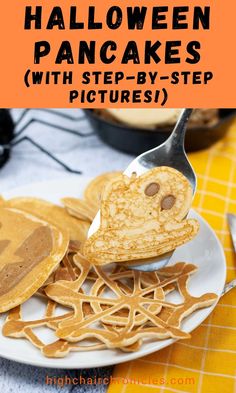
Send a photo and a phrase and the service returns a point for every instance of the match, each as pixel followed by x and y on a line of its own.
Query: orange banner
pixel 171 53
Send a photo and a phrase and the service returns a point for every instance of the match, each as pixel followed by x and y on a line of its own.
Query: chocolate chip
pixel 152 189
pixel 168 202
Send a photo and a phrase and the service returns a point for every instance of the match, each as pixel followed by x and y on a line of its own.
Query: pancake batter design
pixel 142 217
pixel 89 307
pixel 111 309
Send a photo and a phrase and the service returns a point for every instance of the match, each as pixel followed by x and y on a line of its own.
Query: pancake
pixel 54 214
pixel 142 217
pixel 30 249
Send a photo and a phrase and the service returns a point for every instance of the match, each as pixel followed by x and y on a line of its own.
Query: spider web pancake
pixel 125 330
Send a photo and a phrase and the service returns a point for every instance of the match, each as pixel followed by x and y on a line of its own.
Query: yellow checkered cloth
pixel 207 361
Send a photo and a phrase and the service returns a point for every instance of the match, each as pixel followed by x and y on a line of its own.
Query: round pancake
pixel 53 214
pixel 94 190
pixel 79 208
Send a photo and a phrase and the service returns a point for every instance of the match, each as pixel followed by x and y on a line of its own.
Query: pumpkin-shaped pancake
pixel 30 249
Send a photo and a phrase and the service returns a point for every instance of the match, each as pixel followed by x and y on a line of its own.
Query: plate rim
pixel 51 362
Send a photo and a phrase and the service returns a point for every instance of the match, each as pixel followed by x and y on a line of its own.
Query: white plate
pixel 205 251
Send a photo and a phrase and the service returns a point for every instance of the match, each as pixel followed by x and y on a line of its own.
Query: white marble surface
pixel 28 165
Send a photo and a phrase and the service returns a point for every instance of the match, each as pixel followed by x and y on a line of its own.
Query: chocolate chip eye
pixel 168 202
pixel 152 189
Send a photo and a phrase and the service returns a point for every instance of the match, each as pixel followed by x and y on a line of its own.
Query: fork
pixel 232 226
pixel 170 153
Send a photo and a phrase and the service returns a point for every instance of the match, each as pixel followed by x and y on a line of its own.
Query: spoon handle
pixel 176 139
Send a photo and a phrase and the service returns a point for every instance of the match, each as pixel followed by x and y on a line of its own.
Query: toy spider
pixel 10 138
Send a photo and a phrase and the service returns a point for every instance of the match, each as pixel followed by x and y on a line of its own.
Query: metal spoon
pixel 170 153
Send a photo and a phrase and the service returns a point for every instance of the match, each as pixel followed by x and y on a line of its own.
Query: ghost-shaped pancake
pixel 142 217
